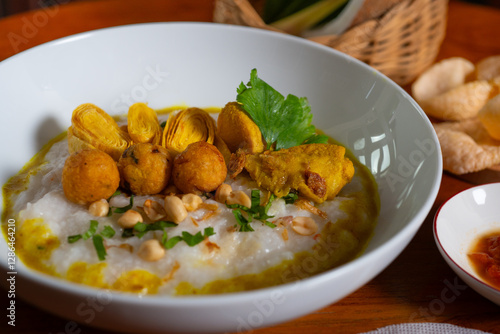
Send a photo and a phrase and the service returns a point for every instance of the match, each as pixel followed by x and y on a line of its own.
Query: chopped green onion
pixel 143 228
pixel 191 239
pixel 127 207
pixel 97 239
pixel 242 222
pixel 271 225
pixel 128 233
pixel 164 239
pixel 74 238
pixel 116 193
pixel 261 213
pixel 208 231
pixel 257 212
pixel 108 232
pixel 290 198
pixel 91 231
pixel 270 202
pixel 255 198
pixel 237 206
pixel 160 225
pixel 99 247
pixel 170 243
pixel 140 227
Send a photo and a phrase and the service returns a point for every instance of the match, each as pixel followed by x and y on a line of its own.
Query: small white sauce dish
pixel 459 223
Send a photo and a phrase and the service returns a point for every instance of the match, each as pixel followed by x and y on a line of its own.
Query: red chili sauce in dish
pixel 485 258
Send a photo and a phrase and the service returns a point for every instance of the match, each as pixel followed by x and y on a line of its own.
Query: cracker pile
pixel 464 100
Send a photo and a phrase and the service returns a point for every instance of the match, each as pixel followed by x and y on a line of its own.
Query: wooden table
pixel 417 287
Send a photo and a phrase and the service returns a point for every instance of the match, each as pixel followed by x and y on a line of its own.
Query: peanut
pixel 239 197
pixel 191 201
pixel 222 192
pixel 151 250
pixel 129 219
pixel 99 208
pixel 174 207
pixel 304 225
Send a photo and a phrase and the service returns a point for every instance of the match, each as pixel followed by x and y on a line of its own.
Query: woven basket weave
pixel 401 41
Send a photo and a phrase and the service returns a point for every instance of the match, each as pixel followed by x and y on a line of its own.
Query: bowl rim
pixel 405 234
pixel 440 246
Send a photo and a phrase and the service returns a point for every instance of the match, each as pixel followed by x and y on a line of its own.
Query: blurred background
pixel 10 7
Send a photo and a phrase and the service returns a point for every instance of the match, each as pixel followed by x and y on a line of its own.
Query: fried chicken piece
pixel 317 171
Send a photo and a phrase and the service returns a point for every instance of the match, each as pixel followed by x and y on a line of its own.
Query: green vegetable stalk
pixel 302 15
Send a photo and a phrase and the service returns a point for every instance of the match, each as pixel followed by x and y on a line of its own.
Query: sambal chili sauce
pixel 485 258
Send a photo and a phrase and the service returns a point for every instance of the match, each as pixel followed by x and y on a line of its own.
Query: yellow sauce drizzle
pixel 138 281
pixel 19 182
pixel 35 243
pixel 83 273
pixel 168 110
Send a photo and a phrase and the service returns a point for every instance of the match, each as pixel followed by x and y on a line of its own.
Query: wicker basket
pixel 400 41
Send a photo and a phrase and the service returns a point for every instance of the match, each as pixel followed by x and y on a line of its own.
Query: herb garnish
pixel 256 211
pixel 99 247
pixel 290 198
pixel 116 193
pixel 242 222
pixel 190 239
pixel 97 239
pixel 143 228
pixel 108 232
pixel 74 238
pixel 284 123
pixel 122 209
pixel 140 229
pixel 91 231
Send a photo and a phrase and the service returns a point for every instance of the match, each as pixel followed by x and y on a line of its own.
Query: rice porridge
pixel 272 233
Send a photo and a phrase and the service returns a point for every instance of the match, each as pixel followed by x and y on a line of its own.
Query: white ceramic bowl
pixel 457 225
pixel 201 65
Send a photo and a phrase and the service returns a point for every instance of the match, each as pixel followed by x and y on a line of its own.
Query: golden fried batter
pixel 223 149
pixel 145 168
pixel 317 171
pixel 238 130
pixel 92 127
pixel 199 168
pixel 188 126
pixel 89 175
pixel 143 125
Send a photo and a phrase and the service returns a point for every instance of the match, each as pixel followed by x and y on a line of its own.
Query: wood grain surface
pixel 417 287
